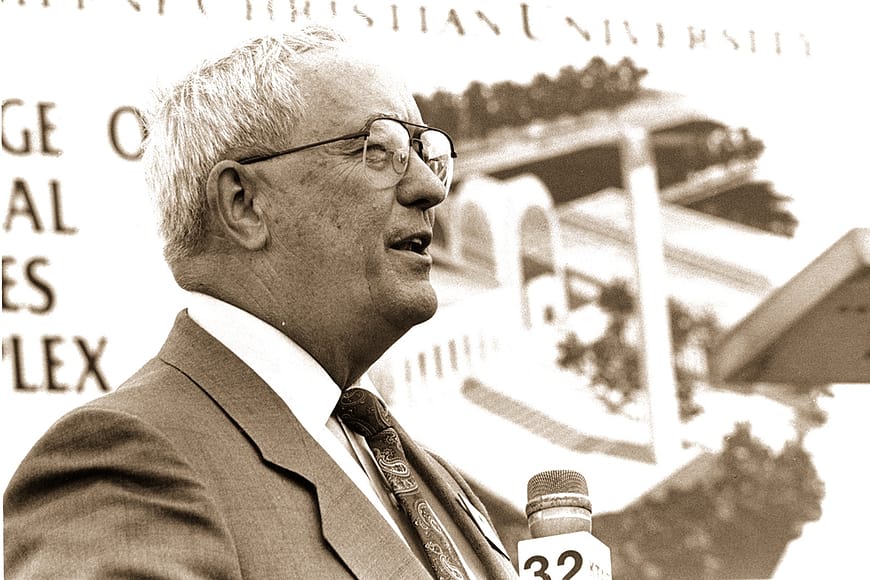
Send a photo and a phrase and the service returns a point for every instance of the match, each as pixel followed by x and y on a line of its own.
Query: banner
pixel 86 297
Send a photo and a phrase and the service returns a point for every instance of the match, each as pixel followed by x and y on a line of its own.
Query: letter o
pixel 115 133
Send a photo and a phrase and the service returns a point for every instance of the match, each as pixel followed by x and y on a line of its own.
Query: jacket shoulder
pixel 103 490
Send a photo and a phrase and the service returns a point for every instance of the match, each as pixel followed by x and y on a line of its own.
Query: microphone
pixel 559 512
pixel 558 503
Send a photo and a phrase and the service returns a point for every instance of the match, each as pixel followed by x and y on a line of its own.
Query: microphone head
pixel 558 503
pixel 557 481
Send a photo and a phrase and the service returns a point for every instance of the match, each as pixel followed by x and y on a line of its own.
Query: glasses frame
pixel 365 133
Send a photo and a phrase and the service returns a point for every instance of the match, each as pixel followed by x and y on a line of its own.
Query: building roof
pixel 814 329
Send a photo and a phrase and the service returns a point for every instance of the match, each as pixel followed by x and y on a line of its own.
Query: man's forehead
pixel 342 85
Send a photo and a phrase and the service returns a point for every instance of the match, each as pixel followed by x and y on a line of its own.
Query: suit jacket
pixel 195 468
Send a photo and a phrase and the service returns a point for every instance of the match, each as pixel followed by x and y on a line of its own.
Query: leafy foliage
pixel 754 204
pixel 613 362
pixel 732 523
pixel 698 144
pixel 482 108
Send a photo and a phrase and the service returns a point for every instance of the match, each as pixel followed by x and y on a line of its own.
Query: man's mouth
pixel 416 243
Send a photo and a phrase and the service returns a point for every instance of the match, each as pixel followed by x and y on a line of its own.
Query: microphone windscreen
pixel 556 481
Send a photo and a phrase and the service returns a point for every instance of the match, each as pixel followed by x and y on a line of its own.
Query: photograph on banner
pixel 635 187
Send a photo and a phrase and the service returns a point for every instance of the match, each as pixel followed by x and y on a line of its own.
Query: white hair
pixel 244 103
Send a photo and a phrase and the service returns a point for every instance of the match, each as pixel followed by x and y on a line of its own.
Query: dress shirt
pixel 299 380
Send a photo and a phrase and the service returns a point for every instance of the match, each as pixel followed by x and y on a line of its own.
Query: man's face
pixel 341 245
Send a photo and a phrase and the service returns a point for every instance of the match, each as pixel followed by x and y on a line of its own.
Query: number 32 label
pixel 544 564
pixel 575 556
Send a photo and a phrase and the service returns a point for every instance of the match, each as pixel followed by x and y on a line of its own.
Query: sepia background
pixel 652 268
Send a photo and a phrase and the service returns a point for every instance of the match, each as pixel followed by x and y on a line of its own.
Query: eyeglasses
pixel 386 150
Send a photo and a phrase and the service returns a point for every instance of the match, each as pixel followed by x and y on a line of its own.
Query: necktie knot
pixel 363 412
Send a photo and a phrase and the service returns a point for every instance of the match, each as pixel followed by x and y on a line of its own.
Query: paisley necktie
pixel 364 413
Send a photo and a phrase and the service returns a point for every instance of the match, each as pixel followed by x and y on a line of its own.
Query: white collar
pixel 304 386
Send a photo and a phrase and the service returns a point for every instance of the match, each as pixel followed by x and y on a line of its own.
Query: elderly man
pixel 296 185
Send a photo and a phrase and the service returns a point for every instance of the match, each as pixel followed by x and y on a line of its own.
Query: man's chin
pixel 413 310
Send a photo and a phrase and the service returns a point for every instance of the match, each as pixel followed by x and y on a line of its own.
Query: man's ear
pixel 232 199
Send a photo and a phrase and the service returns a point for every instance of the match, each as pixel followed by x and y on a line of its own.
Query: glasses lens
pixel 388 147
pixel 434 148
pixel 386 152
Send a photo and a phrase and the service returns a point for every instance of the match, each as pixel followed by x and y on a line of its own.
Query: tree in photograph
pixel 476 109
pixel 446 108
pixel 509 105
pixel 482 108
pixel 755 204
pixel 734 520
pixel 612 361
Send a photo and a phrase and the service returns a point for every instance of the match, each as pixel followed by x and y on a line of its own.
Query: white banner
pixel 86 296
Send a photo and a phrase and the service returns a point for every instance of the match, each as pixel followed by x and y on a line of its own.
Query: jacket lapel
pixel 351 525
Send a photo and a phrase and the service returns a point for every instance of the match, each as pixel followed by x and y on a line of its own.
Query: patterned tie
pixel 363 412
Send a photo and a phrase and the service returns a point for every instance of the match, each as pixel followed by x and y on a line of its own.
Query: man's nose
pixel 419 186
